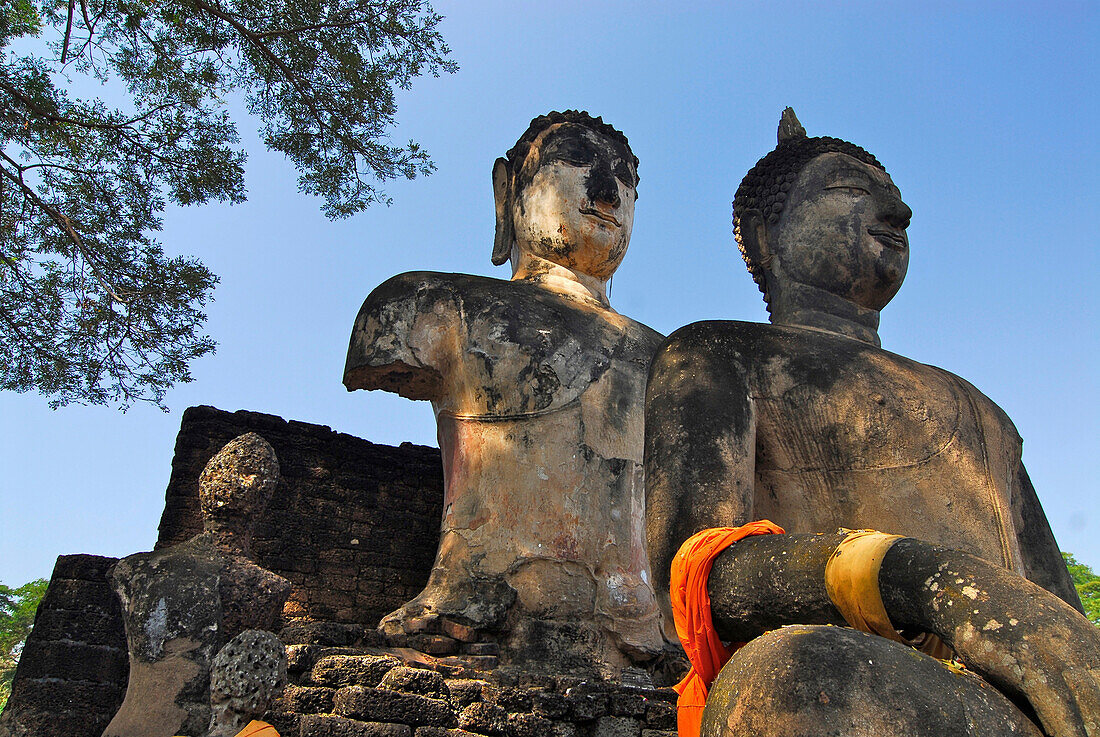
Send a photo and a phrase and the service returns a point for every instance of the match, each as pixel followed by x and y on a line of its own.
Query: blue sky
pixel 984 113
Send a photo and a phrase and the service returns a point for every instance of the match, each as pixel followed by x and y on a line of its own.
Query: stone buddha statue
pixel 183 603
pixel 537 385
pixel 808 422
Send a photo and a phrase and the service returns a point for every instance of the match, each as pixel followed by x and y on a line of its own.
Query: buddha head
pixel 822 213
pixel 565 193
pixel 235 487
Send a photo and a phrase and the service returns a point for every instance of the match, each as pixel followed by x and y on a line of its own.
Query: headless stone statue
pixel 183 603
pixel 537 387
pixel 809 423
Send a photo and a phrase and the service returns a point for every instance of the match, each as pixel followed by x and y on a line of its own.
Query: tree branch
pixel 68 31
pixel 274 58
pixel 62 221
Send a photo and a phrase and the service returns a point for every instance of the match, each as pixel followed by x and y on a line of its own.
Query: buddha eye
pixel 852 189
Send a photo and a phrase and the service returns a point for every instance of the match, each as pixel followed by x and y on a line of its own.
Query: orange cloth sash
pixel 694 625
pixel 256 728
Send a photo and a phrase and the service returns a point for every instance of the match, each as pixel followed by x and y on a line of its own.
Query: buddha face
pixel 843 231
pixel 575 201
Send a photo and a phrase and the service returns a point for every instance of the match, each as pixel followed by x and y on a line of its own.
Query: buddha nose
pixel 601 184
pixel 895 212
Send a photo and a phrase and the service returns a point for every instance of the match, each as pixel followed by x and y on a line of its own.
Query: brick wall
pixel 72 674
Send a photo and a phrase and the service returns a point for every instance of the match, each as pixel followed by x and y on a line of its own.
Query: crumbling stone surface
pixel 308 699
pixel 237 483
pixel 72 673
pixel 473 707
pixel 379 704
pixel 416 681
pixel 352 670
pixel 353 525
pixel 183 603
pixel 484 718
pixel 246 675
pixel 618 727
pixel 327 725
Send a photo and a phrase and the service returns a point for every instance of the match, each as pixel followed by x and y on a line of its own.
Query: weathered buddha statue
pixel 183 603
pixel 809 423
pixel 537 385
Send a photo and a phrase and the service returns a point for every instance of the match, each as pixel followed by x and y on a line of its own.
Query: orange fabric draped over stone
pixel 256 728
pixel 691 611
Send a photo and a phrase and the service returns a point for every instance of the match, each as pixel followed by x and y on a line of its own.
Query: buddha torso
pixel 850 435
pixel 538 398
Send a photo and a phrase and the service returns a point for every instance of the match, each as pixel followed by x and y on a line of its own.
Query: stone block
pixel 587 706
pixel 660 715
pixel 460 632
pixel 327 725
pixel 465 691
pixel 379 704
pixel 441 732
pixel 483 718
pixel 514 699
pixel 352 670
pixel 550 705
pixel 83 567
pixel 416 681
pixel 300 658
pixel 529 725
pixel 80 626
pixel 618 727
pixel 308 699
pixel 480 648
pixel 434 644
pixel 627 705
pixel 72 662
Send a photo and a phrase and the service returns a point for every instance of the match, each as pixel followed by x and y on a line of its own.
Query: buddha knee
pixel 817 680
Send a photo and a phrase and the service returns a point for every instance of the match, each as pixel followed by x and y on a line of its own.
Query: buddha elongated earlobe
pixel 505 232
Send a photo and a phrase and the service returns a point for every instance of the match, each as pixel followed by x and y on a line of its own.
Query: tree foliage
pixel 91 308
pixel 17 608
pixel 1088 587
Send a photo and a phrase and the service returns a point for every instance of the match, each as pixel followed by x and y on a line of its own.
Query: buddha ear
pixel 502 194
pixel 754 238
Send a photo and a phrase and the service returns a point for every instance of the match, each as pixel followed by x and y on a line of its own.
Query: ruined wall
pixel 353 525
pixel 72 674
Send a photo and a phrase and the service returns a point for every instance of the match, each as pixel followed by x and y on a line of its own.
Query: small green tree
pixel 17 608
pixel 91 309
pixel 1088 587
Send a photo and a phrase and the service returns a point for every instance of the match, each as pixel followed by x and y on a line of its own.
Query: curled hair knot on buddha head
pixel 512 165
pixel 765 188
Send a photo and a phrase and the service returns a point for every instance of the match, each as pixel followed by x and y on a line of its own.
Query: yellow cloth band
pixel 851 578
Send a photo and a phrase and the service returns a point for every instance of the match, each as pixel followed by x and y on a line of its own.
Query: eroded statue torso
pixel 841 434
pixel 850 435
pixel 539 403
